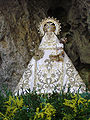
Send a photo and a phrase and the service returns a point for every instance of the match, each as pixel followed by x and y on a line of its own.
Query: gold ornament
pixel 49 23
pixel 58 57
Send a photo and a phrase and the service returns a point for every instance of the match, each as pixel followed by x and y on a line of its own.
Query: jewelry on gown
pixel 50 68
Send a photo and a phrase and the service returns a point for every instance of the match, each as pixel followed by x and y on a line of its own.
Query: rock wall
pixel 19 37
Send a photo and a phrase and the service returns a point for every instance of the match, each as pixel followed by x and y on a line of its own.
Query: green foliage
pixel 56 106
pixel 77 108
pixel 12 106
pixel 4 96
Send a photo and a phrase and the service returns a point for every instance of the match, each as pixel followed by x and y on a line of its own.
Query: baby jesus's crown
pixel 49 25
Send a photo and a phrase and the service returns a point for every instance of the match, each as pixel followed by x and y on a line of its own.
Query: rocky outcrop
pixel 18 40
pixel 19 36
pixel 79 47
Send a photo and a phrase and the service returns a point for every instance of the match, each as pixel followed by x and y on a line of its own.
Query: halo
pixel 53 20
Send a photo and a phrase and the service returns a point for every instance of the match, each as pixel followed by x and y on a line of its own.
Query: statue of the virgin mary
pixel 50 68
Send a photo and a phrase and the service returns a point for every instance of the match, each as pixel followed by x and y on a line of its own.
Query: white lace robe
pixel 45 75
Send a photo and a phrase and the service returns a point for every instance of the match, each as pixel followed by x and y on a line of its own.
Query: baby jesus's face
pixel 49 27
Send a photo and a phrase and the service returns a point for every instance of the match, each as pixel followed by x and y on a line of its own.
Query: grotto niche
pixel 19 38
pixel 50 69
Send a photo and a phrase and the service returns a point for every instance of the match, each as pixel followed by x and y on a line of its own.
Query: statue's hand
pixel 64 40
pixel 60 46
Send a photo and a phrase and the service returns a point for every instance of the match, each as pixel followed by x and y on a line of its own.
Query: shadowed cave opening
pixel 61 14
pixel 58 12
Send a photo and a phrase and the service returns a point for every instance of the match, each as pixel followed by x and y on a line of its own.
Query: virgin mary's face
pixel 49 27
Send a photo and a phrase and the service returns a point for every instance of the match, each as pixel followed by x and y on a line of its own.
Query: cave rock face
pixel 19 37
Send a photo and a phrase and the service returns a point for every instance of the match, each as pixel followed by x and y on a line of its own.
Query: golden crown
pixel 45 21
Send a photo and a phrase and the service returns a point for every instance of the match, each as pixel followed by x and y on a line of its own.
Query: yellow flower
pixel 67 116
pixel 75 102
pixel 46 111
pixel 12 105
pixel 71 103
pixel 81 100
pixel 37 109
pixel 19 103
pixel 3 116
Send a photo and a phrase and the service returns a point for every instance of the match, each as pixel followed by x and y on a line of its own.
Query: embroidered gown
pixel 51 69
